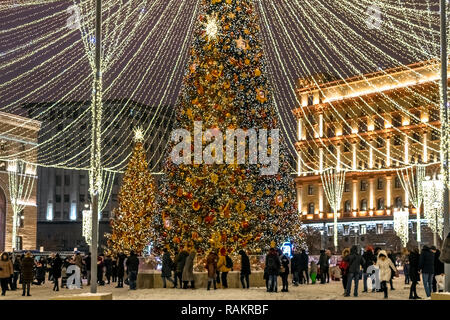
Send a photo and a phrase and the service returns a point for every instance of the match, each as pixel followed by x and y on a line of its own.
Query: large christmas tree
pixel 132 223
pixel 227 204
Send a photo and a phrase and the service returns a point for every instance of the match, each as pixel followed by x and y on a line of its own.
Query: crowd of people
pixel 374 266
pixel 26 270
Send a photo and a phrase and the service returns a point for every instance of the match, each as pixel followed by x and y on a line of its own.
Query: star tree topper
pixel 138 134
pixel 211 27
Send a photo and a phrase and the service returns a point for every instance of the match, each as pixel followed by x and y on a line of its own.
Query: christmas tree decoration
pixel 131 225
pixel 225 88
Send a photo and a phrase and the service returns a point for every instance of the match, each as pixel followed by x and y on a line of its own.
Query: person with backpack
pixel 343 266
pixel 273 269
pixel 245 269
pixel 224 265
pixel 166 270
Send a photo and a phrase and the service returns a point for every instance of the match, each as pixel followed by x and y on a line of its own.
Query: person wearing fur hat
pixel 385 265
pixel 222 267
pixel 6 271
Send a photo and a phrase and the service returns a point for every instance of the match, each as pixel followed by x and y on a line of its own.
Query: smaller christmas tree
pixel 131 226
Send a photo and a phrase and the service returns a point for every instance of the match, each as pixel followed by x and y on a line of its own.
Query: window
pixel 362 145
pixel 362 125
pixel 363 185
pixel 310 100
pixel 380 142
pixel 397 140
pixel 379 123
pixel 397 121
pixel 310 190
pixel 398 202
pixel 347 130
pixel 82 198
pixel 380 228
pixel 397 183
pixel 380 184
pixel 347 206
pixel 58 180
pixel 67 180
pixel 18 243
pixel 362 229
pixel 435 135
pixel 363 205
pixel 66 198
pixel 58 198
pixel 73 211
pixel 105 215
pixel 21 219
pixel 347 146
pixel 380 204
pixel 82 180
pixel 330 230
pixel 415 118
pixel 310 152
pixel 416 137
pixel 330 132
pixel 347 187
pixel 434 115
pixel 311 208
pixel 346 230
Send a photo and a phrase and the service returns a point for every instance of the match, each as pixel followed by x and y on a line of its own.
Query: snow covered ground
pixel 329 291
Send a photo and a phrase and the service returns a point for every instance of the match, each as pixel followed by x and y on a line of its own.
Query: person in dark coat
pixel 369 260
pixel 108 268
pixel 180 260
pixel 16 269
pixel 414 275
pixel 296 267
pixel 27 273
pixel 120 269
pixel 87 264
pixel 304 262
pixel 133 269
pixel 114 268
pixel 273 269
pixel 56 271
pixel 355 262
pixel 392 257
pixel 245 269
pixel 285 272
pixel 40 272
pixel 166 269
pixel 438 267
pixel 211 267
pixel 323 266
pixel 426 266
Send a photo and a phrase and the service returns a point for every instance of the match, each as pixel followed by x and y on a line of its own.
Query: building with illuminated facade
pixel 368 125
pixel 18 140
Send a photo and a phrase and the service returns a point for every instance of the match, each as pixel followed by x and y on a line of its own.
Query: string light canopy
pixel 145 51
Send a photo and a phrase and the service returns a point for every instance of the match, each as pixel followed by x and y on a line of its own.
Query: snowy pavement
pixel 329 291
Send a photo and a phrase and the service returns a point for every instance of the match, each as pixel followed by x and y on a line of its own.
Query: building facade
pixel 18 140
pixel 64 193
pixel 369 126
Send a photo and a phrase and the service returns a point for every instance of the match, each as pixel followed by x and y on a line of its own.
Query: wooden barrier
pixel 440 296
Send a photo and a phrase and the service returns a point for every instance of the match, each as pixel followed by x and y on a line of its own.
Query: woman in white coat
pixel 385 264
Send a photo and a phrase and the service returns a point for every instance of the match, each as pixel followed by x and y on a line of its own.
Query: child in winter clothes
pixel 385 264
pixel 313 272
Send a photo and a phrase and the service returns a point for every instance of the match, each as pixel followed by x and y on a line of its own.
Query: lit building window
pixel 362 229
pixel 330 230
pixel 346 230
pixel 310 190
pixel 380 228
pixel 73 211
pixel 311 208
pixel 49 211
pixel 380 184
pixel 363 205
pixel 380 204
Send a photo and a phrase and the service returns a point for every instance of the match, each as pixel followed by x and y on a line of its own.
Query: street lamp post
pixel 444 129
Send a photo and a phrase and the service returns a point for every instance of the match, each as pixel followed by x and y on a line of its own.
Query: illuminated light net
pixel 41 59
pixel 411 179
